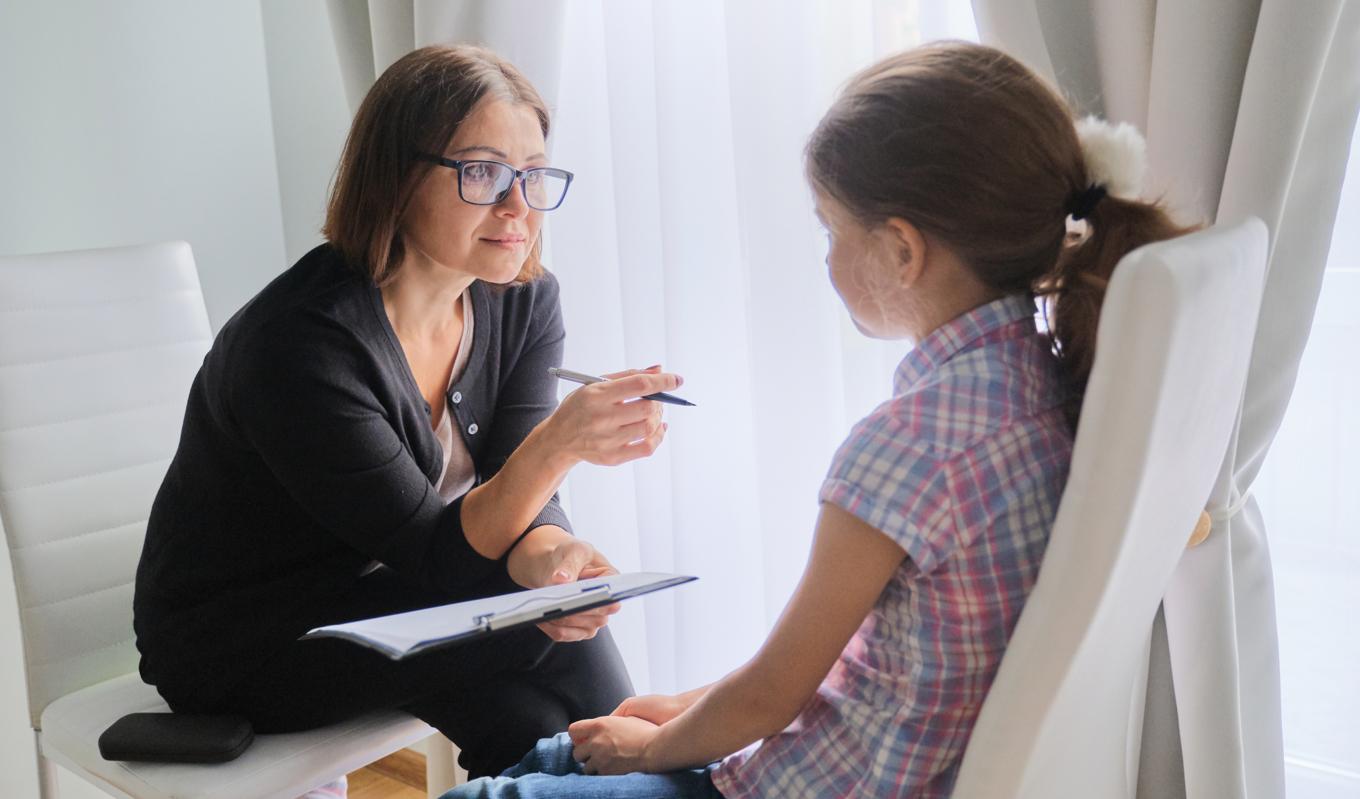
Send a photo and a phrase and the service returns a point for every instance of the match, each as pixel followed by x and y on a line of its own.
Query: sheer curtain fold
pixel 1248 106
pixel 353 36
pixel 706 283
pixel 371 34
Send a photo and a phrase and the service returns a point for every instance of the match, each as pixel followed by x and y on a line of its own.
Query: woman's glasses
pixel 490 182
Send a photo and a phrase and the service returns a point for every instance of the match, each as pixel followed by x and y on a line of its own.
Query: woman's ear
pixel 907 246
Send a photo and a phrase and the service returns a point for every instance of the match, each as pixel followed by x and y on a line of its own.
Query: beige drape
pixel 1249 108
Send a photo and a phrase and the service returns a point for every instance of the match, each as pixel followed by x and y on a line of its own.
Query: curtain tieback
pixel 1208 519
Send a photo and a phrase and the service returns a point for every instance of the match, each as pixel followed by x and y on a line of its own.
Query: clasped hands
pixel 620 742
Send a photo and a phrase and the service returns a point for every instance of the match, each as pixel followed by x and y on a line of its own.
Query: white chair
pixel 97 351
pixel 1064 717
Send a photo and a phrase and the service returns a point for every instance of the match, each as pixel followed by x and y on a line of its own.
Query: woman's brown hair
pixel 415 107
pixel 975 150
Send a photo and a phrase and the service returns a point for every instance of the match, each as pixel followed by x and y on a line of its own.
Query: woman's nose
pixel 513 204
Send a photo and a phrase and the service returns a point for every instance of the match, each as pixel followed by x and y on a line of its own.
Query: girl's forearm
pixel 723 718
pixel 497 511
pixel 849 567
pixel 688 698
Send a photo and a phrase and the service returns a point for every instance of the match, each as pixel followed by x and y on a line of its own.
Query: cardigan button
pixel 457 397
pixel 472 429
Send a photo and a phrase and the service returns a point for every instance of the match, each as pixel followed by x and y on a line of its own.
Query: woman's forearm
pixel 497 511
pixel 526 557
pixel 600 423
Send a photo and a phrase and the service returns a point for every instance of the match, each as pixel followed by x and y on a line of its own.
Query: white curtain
pixel 689 240
pixel 1248 106
pixel 1307 495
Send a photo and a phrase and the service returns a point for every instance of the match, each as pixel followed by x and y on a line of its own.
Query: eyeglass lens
pixel 487 182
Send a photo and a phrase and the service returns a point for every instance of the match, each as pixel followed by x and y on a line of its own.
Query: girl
pixel 375 432
pixel 945 177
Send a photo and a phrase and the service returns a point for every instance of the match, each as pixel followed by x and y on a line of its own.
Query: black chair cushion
pixel 176 738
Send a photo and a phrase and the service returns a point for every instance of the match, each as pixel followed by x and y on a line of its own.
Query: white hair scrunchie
pixel 1115 156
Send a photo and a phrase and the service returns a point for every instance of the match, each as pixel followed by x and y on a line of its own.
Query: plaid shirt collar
pixel 958 334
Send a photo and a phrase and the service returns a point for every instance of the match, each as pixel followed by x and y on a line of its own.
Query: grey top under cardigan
pixel 307 452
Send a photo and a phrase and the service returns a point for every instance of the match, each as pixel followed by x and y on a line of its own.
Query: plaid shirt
pixel 963 468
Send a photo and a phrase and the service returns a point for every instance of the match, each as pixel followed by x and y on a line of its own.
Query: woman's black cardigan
pixel 307 453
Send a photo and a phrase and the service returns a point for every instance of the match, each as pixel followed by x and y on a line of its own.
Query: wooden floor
pixel 398 776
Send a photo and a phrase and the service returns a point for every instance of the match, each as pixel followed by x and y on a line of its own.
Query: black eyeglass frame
pixel 516 175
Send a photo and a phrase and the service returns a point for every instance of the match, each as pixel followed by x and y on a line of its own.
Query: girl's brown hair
pixel 975 150
pixel 415 107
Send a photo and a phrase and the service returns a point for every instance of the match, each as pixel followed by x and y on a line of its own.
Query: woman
pixel 945 177
pixel 374 432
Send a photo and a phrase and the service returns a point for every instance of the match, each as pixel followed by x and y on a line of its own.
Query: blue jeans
pixel 550 770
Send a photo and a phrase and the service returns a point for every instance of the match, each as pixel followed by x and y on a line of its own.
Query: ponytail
pixel 1075 288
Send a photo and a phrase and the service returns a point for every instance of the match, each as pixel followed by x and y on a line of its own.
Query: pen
pixel 584 379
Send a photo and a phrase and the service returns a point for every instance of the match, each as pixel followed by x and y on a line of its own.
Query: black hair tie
pixel 1082 203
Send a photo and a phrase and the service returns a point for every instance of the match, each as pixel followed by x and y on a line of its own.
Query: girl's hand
pixel 612 744
pixel 605 423
pixel 569 560
pixel 656 708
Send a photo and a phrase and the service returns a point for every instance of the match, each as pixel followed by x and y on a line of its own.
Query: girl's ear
pixel 907 246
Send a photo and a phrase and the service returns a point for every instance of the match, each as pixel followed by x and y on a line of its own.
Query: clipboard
pixel 402 635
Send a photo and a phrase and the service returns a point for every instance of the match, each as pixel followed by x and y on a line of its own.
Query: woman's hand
pixel 605 423
pixel 656 708
pixel 612 744
pixel 549 555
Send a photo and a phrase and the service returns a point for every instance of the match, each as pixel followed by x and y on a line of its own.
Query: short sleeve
pixel 881 475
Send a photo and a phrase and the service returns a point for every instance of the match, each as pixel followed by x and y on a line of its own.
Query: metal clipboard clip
pixel 532 609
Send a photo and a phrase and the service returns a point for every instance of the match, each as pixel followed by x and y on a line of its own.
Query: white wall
pixel 144 120
pixel 134 121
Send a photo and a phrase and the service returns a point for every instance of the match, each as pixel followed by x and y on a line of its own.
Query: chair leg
pixel 442 771
pixel 47 772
